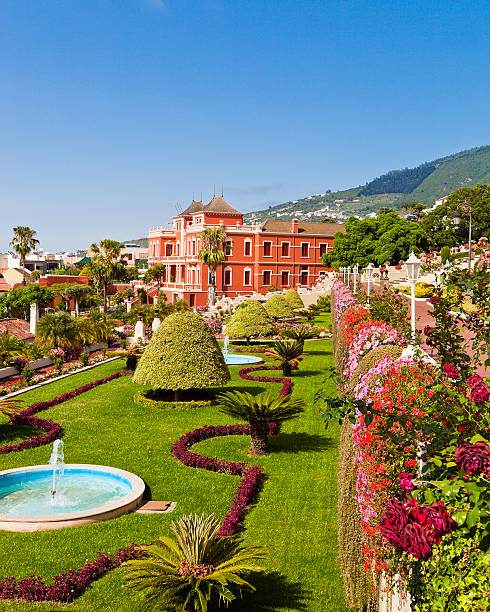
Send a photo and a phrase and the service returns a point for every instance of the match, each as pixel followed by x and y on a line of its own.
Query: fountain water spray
pixel 225 346
pixel 57 460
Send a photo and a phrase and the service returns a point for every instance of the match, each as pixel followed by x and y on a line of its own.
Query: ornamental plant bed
pixel 163 399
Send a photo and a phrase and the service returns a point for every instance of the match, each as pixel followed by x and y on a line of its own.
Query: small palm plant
pixel 259 411
pixel 286 352
pixel 10 347
pixel 55 329
pixel 9 407
pixel 185 573
pixel 301 332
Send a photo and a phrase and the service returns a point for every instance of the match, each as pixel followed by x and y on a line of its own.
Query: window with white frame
pixel 267 249
pixel 285 246
pixel 285 278
pixel 228 247
pixel 227 277
pixel 247 276
pixel 305 249
pixel 323 248
pixel 267 277
pixel 247 247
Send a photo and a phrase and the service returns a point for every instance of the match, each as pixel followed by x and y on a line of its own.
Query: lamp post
pixel 412 266
pixel 457 221
pixel 369 269
pixel 355 271
pixel 348 276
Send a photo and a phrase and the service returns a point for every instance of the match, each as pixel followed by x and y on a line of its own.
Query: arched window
pixel 228 247
pixel 247 277
pixel 247 247
pixel 227 277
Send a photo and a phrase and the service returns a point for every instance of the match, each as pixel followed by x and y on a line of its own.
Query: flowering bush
pixel 417 468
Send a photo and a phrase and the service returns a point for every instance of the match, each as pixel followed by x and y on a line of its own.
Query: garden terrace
pixel 293 518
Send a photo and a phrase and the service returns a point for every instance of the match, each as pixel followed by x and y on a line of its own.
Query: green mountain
pixel 426 183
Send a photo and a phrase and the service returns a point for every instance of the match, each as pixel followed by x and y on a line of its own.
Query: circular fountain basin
pixel 235 359
pixel 89 494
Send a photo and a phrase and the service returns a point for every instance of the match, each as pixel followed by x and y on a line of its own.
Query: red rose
pixel 479 393
pixel 451 371
pixel 474 380
pixel 474 458
pixel 427 330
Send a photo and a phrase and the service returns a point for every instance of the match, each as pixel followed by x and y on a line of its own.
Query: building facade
pixel 275 254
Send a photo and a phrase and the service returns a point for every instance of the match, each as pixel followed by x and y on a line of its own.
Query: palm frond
pixel 262 407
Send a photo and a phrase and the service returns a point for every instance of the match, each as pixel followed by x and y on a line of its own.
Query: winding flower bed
pixel 415 461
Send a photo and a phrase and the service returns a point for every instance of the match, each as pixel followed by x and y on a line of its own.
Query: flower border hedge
pixel 287 384
pixel 141 399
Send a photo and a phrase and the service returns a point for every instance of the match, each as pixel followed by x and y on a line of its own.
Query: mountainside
pixel 425 183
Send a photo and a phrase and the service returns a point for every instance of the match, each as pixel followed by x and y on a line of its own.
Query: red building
pixel 281 254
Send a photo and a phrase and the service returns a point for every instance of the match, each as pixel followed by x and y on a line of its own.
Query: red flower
pixel 474 380
pixel 479 393
pixel 427 330
pixel 474 458
pixel 451 371
pixel 406 481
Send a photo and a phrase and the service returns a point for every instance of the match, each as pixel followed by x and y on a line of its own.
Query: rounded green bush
pixel 182 354
pixel 278 308
pixel 292 298
pixel 445 254
pixel 250 321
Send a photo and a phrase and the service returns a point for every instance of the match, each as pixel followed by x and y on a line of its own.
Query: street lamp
pixel 348 276
pixel 355 271
pixel 369 269
pixel 457 221
pixel 412 266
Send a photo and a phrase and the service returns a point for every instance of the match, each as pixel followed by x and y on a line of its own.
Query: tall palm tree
pixel 85 331
pixel 185 573
pixel 286 352
pixel 23 243
pixel 211 253
pixel 55 329
pixel 259 411
pixel 107 264
pixel 76 292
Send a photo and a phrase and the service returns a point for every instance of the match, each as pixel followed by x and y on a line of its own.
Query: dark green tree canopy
pixel 17 302
pixel 386 237
pixel 439 226
pixel 182 354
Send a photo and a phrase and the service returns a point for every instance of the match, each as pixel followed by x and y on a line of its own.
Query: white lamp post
pixel 355 271
pixel 412 266
pixel 457 221
pixel 348 275
pixel 369 269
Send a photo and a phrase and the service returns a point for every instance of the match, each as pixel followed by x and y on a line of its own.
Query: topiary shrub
pixel 370 359
pixel 182 354
pixel 445 254
pixel 250 321
pixel 278 308
pixel 292 298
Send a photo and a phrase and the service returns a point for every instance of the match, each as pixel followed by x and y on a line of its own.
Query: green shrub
pixel 422 290
pixel 84 359
pixel 144 399
pixel 292 298
pixel 250 321
pixel 324 303
pixel 462 255
pixel 445 254
pixel 278 308
pixel 182 354
pixel 370 359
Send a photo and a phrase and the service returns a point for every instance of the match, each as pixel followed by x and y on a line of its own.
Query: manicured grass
pixel 294 518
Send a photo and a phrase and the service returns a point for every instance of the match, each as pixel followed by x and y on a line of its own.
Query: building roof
pixel 285 227
pixel 218 204
pixel 193 207
pixel 16 327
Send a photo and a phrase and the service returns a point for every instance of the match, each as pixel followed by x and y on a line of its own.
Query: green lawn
pixel 294 518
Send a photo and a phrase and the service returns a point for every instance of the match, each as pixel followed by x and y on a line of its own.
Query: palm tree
pixel 23 243
pixel 55 329
pixel 107 264
pixel 10 347
pixel 155 273
pixel 286 352
pixel 185 573
pixel 75 292
pixel 259 411
pixel 103 327
pixel 212 254
pixel 85 331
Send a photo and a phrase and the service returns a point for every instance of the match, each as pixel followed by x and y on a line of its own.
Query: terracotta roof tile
pixel 218 204
pixel 285 227
pixel 16 327
pixel 193 207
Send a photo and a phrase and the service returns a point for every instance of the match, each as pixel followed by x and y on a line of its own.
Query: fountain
pixel 235 359
pixel 36 498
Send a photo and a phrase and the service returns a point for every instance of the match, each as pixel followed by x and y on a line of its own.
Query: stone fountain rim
pixel 67 519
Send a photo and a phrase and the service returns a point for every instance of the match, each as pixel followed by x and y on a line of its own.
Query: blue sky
pixel 114 111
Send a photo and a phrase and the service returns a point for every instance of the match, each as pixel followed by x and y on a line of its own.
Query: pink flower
pixel 479 393
pixel 474 458
pixel 451 371
pixel 406 481
pixel 475 379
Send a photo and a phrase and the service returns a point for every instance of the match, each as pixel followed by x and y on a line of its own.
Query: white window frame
pixel 228 243
pixel 307 256
pixel 263 246
pixel 289 250
pixel 249 270
pixel 230 270
pixel 288 272
pixel 320 244
pixel 270 281
pixel 245 242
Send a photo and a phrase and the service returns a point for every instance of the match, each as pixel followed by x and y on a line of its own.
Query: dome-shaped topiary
pixel 292 298
pixel 370 359
pixel 182 354
pixel 249 321
pixel 278 308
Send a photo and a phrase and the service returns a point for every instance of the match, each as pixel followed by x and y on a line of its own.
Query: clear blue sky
pixel 113 111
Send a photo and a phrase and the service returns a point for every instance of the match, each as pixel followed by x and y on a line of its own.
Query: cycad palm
pixel 9 407
pixel 185 573
pixel 259 411
pixel 286 351
pixel 211 252
pixel 55 329
pixel 10 346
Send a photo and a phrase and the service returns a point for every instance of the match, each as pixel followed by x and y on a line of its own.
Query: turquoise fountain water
pixel 234 359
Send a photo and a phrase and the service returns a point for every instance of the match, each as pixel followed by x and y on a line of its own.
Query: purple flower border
pixel 53 430
pixel 287 383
